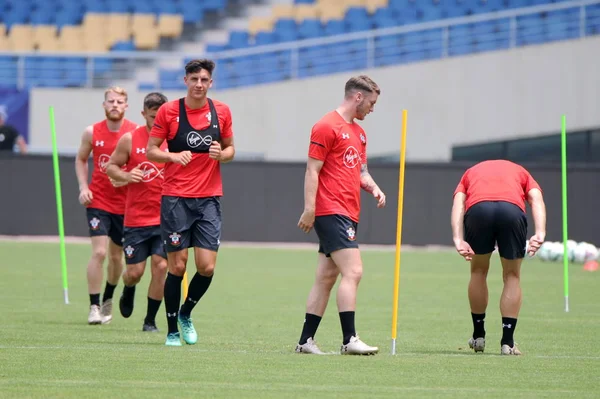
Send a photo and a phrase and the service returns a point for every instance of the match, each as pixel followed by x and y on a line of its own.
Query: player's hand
pixel 135 175
pixel 214 152
pixel 85 196
pixel 535 243
pixel 117 183
pixel 464 249
pixel 380 197
pixel 182 158
pixel 307 220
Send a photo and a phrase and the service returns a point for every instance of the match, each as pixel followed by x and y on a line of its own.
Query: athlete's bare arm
pixel 154 153
pixel 81 166
pixel 311 183
pixel 368 184
pixel 118 159
pixel 456 220
pixel 538 211
pixel 222 152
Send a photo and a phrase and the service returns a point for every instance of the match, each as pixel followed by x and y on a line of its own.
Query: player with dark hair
pixel 105 204
pixel 142 238
pixel 336 171
pixel 489 210
pixel 199 136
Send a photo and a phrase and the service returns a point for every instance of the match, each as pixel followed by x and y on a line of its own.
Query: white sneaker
pixel 106 311
pixel 94 317
pixel 477 344
pixel 507 350
pixel 309 347
pixel 357 347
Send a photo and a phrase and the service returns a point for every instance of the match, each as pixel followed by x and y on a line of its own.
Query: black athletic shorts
pixel 142 242
pixel 102 223
pixel 335 232
pixel 190 222
pixel 489 223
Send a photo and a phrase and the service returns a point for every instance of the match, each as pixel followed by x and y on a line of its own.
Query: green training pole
pixel 61 229
pixel 563 145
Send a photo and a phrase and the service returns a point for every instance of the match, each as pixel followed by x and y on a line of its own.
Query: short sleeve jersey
pixel 496 180
pixel 342 147
pixel 105 195
pixel 202 176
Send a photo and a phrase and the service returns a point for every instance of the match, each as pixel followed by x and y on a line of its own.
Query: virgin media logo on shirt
pixel 194 139
pixel 351 157
pixel 103 162
pixel 150 172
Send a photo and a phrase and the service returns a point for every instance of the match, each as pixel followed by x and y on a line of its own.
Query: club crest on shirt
pixel 175 239
pixel 103 162
pixel 363 138
pixel 95 223
pixel 129 251
pixel 208 116
pixel 351 233
pixel 351 157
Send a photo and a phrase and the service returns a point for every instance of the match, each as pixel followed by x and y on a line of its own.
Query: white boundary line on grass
pixel 236 244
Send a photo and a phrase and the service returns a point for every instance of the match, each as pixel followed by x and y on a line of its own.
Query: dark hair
pixel 197 65
pixel 154 100
pixel 361 83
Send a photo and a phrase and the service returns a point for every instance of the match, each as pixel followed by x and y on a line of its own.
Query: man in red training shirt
pixel 105 204
pixel 336 171
pixel 142 237
pixel 489 210
pixel 199 137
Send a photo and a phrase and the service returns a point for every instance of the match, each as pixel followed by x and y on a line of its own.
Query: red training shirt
pixel 342 147
pixel 496 180
pixel 104 195
pixel 202 176
pixel 143 199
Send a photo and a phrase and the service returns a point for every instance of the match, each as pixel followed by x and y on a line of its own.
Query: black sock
pixel 109 289
pixel 348 329
pixel 198 287
pixel 311 323
pixel 95 299
pixel 172 298
pixel 478 325
pixel 129 291
pixel 153 305
pixel 508 329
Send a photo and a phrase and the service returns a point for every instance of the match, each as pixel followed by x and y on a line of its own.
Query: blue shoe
pixel 173 339
pixel 187 329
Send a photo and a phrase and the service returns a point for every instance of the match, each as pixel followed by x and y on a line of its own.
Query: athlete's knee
pixel 327 277
pixel 511 275
pixel 159 268
pixel 177 264
pixel 135 273
pixel 116 258
pixel 205 269
pixel 99 253
pixel 353 272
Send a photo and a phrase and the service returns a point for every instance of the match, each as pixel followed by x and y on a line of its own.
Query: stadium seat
pixel 260 24
pixel 20 37
pixel 170 25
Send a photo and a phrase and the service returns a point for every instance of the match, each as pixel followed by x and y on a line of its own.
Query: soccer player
pixel 336 171
pixel 105 204
pixel 489 210
pixel 142 238
pixel 199 136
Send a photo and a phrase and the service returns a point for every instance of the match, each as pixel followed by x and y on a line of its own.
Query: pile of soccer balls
pixel 577 252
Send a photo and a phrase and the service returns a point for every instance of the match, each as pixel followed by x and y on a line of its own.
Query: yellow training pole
pixel 399 231
pixel 185 286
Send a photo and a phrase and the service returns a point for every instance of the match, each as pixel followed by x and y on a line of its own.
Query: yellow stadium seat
pixel 282 11
pixel 4 45
pixel 170 25
pixel 2 30
pixel 306 11
pixel 20 37
pixel 49 44
pixel 142 21
pixel 71 38
pixel 260 24
pixel 95 20
pixel 373 5
pixel 146 39
pixel 355 3
pixel 118 28
pixel 329 12
pixel 44 33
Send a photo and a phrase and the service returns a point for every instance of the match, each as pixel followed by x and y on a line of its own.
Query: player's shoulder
pixel 328 121
pixel 220 106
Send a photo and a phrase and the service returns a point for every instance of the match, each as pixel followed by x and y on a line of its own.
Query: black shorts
pixel 335 232
pixel 102 223
pixel 489 223
pixel 142 242
pixel 190 222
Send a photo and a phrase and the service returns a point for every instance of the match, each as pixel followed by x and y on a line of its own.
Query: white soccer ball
pixel 571 246
pixel 556 251
pixel 580 253
pixel 545 251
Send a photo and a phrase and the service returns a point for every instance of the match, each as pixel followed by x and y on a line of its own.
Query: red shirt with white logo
pixel 496 180
pixel 105 196
pixel 202 176
pixel 342 147
pixel 143 199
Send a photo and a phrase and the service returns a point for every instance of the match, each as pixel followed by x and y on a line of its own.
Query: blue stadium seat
pixel 126 45
pixel 429 12
pixel 41 17
pixel 357 19
pixel 335 27
pixel 265 38
pixel 238 39
pixel 285 30
pixel 310 28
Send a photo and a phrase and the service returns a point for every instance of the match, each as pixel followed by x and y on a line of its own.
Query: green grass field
pixel 250 320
